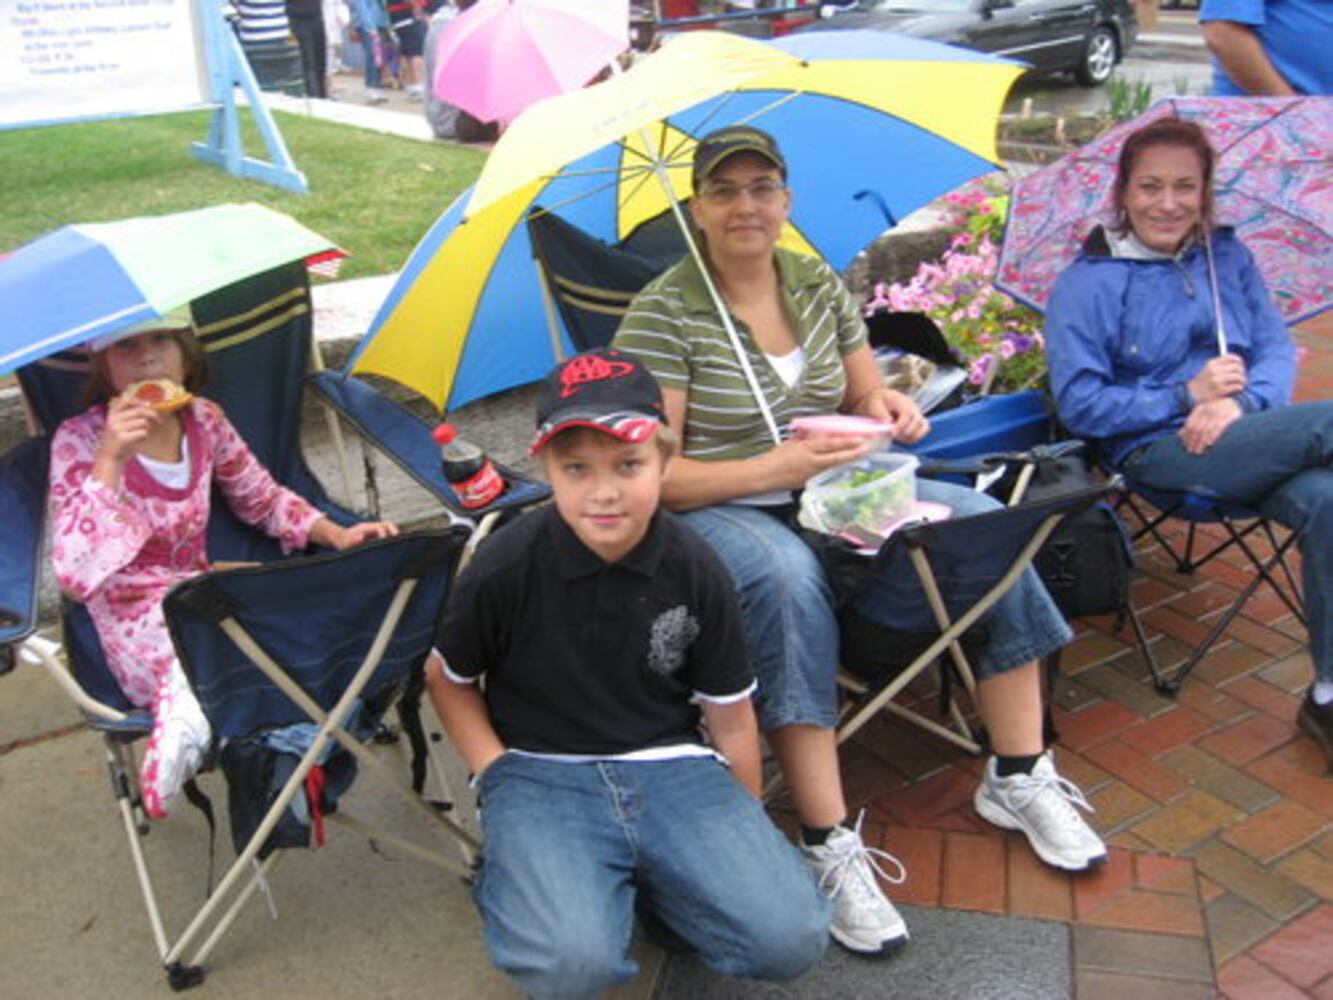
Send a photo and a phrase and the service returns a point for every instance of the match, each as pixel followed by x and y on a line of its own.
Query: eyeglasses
pixel 764 192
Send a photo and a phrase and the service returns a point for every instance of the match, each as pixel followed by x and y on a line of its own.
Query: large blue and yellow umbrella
pixel 872 125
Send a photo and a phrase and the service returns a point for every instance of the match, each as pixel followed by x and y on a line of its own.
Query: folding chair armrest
pixel 38 652
pixel 405 439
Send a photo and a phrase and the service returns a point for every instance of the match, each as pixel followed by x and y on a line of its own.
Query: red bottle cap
pixel 444 433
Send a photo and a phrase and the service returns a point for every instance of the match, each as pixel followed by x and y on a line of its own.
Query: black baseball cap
pixel 603 388
pixel 716 146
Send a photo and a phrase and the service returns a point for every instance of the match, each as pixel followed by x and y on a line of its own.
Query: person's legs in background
pixel 792 634
pixel 313 45
pixel 372 54
pixel 411 46
pixel 334 14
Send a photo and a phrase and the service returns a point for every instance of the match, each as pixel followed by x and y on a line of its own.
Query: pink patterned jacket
pixel 120 551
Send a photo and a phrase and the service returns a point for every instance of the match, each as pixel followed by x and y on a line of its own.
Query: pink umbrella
pixel 499 56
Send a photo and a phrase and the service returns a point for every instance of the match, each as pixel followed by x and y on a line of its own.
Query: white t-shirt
pixel 174 475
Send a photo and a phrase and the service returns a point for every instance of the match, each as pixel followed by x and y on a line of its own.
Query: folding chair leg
pixel 1172 687
pixel 1050 668
pixel 963 742
pixel 449 801
pixel 1264 574
pixel 123 788
pixel 1146 652
pixel 260 880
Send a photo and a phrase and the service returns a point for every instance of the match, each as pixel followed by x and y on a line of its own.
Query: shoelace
pixel 850 859
pixel 1028 786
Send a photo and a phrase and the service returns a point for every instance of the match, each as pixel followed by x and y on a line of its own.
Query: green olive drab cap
pixel 732 139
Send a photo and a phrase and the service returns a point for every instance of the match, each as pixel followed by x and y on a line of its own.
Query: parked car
pixel 1083 37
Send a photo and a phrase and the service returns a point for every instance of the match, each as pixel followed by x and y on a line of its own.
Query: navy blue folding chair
pixel 929 586
pixel 591 283
pixel 1242 527
pixel 322 643
pixel 257 337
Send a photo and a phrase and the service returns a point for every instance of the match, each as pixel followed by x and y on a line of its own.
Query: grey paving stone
pixel 952 954
pixel 1168 956
pixel 1234 925
pixel 1218 778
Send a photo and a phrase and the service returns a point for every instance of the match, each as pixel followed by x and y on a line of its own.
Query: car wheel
pixel 1098 60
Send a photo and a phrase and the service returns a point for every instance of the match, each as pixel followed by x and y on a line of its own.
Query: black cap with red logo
pixel 607 389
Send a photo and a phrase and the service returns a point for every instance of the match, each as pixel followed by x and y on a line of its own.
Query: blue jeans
pixel 791 624
pixel 567 846
pixel 370 71
pixel 1280 462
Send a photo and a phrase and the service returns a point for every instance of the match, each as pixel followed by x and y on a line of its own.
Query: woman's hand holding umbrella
pixel 1221 377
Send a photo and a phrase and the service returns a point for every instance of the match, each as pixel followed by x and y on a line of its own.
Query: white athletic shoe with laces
pixel 864 920
pixel 1041 805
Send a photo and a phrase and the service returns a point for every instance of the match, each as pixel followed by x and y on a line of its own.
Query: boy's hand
pixel 465 716
pixel 734 734
pixel 485 763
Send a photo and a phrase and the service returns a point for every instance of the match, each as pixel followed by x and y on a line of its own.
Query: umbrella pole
pixel 1217 299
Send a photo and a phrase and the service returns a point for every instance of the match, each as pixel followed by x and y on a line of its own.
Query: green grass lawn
pixel 374 195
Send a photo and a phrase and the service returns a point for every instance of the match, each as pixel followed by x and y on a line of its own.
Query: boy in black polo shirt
pixel 604 627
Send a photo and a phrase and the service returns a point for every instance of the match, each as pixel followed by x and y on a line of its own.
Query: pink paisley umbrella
pixel 1274 184
pixel 499 56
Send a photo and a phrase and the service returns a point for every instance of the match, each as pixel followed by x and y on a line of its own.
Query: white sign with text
pixel 65 59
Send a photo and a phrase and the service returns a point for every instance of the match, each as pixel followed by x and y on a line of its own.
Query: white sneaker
pixel 176 747
pixel 1041 804
pixel 375 96
pixel 864 920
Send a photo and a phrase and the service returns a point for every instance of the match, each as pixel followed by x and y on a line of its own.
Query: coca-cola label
pixel 480 488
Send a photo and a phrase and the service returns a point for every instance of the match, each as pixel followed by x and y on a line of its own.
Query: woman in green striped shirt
pixel 806 350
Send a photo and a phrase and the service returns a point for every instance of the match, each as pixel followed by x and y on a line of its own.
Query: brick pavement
pixel 1218 813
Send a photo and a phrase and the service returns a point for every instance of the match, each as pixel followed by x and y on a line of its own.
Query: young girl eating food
pixel 130 487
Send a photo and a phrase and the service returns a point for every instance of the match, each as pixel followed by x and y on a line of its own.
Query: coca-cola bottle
pixel 471 474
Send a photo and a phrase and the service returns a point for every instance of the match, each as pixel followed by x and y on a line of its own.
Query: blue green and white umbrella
pixel 81 281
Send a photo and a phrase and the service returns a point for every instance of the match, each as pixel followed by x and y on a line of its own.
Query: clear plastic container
pixel 866 496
